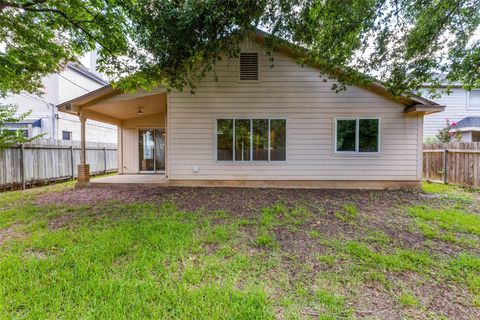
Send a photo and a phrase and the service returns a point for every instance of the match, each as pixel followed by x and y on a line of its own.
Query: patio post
pixel 83 168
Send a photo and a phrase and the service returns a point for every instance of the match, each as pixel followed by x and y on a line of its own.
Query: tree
pixel 40 36
pixel 11 137
pixel 403 43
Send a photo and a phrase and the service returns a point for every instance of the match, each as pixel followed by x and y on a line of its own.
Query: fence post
pixel 22 166
pixel 105 160
pixel 72 163
pixel 445 166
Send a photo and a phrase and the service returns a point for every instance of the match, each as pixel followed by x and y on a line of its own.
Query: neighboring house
pixel 470 129
pixel 460 104
pixel 267 121
pixel 72 82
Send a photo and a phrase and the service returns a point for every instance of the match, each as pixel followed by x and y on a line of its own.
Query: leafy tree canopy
pixel 404 43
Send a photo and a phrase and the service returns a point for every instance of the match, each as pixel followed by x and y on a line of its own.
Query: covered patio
pixel 141 121
pixel 130 179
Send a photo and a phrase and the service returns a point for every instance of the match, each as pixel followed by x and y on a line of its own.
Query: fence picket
pixel 44 161
pixel 460 164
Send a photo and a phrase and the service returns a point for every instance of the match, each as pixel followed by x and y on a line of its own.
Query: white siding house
pixel 265 121
pixel 459 105
pixel 73 81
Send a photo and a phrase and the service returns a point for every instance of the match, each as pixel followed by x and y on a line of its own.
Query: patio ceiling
pixel 128 109
pixel 113 106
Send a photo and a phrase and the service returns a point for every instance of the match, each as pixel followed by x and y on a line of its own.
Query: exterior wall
pixel 58 88
pixel 467 136
pixel 95 131
pixel 456 109
pixel 129 139
pixel 286 90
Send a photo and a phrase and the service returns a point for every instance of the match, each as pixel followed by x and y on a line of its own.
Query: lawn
pixel 225 253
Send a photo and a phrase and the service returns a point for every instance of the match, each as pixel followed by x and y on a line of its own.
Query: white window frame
pixel 251 139
pixel 357 136
pixel 71 135
pixel 470 107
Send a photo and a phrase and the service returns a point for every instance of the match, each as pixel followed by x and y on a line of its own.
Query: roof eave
pixel 425 109
pixel 376 86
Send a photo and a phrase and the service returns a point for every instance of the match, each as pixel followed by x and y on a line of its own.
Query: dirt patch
pixel 380 214
pixel 10 233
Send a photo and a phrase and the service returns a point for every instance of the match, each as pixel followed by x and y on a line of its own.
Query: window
pixel 21 132
pixel 244 140
pixel 278 139
pixel 474 100
pixel 249 66
pixel 260 139
pixel 224 139
pixel 66 135
pixel 357 135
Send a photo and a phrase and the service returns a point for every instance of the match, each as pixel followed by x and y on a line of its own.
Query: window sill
pixel 357 154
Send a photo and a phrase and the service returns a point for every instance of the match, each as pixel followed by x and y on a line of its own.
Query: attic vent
pixel 249 66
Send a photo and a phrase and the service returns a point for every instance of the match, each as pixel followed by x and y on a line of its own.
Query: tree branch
pixel 28 7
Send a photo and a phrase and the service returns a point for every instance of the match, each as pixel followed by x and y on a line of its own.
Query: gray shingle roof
pixel 469 122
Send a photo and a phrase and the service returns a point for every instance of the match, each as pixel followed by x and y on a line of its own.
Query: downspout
pixel 53 135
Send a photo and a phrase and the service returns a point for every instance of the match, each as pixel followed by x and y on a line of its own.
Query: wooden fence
pixel 43 161
pixel 455 162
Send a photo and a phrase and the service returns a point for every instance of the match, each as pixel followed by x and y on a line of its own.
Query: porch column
pixel 83 168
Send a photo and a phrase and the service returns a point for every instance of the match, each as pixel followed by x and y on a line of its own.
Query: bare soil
pixel 379 211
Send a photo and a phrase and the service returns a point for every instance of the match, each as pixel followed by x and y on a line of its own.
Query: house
pixel 75 80
pixel 266 122
pixel 470 129
pixel 460 105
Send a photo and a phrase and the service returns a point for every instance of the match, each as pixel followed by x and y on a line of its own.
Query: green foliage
pixel 175 43
pixel 39 37
pixel 9 138
pixel 447 134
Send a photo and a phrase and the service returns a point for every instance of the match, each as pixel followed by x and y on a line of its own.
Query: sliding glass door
pixel 151 145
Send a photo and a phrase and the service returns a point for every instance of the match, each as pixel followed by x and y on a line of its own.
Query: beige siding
pixel 286 90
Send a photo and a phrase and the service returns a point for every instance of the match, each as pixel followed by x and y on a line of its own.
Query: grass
pixel 407 299
pixel 348 213
pixel 117 268
pixel 146 260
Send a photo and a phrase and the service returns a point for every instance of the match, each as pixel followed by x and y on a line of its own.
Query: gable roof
pixel 412 103
pixel 81 69
pixel 375 86
pixel 468 122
